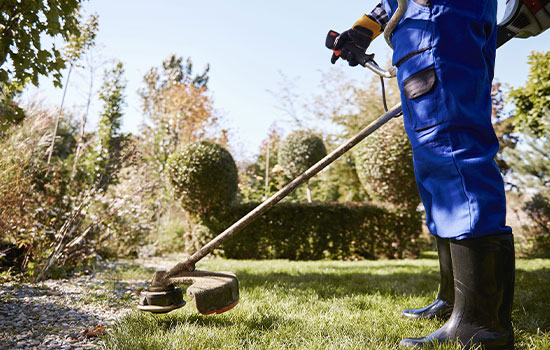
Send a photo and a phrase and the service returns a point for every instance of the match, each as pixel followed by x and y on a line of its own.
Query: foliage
pixel 10 112
pixel 341 182
pixel 178 107
pixel 103 158
pixel 304 231
pixel 252 176
pixel 174 237
pixel 530 162
pixel 538 230
pixel 77 45
pixel 342 108
pixel 204 176
pixel 121 220
pixel 351 105
pixel 103 161
pixel 179 110
pixel 299 151
pixel 504 126
pixel 59 217
pixel 530 158
pixel 24 24
pixel 381 165
pixel 532 101
pixel 35 199
pixel 385 167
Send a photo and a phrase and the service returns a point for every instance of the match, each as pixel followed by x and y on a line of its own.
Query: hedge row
pixel 312 231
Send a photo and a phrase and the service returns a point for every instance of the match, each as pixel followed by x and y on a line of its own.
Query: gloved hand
pixel 360 35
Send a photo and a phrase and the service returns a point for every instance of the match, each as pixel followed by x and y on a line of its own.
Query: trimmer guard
pixel 213 292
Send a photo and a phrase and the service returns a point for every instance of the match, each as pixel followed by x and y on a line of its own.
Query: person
pixel 444 51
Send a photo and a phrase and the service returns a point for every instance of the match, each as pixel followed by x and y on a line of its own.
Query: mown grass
pixel 327 305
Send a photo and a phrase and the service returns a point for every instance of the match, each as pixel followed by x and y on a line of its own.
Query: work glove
pixel 360 35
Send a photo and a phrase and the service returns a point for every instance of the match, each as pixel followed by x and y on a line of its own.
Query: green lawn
pixel 327 305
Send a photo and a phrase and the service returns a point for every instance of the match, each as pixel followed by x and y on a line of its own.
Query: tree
pixel 178 108
pixel 532 101
pixel 77 45
pixel 530 159
pixel 24 24
pixel 504 126
pixel 106 152
pixel 103 161
pixel 530 163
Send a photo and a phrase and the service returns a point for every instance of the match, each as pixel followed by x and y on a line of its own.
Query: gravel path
pixel 64 314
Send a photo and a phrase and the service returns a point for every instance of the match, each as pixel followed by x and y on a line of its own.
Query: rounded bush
pixel 299 151
pixel 384 165
pixel 204 176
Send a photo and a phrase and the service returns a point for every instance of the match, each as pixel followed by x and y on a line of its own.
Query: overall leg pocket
pixel 420 97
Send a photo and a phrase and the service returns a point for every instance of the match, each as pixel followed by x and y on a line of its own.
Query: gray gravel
pixel 57 314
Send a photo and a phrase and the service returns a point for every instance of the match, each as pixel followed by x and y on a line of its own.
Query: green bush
pixel 299 151
pixel 538 210
pixel 302 231
pixel 385 167
pixel 204 176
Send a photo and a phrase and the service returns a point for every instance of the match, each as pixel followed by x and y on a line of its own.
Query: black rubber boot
pixel 484 291
pixel 443 305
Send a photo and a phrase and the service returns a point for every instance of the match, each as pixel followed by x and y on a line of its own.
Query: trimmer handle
pixel 360 56
pixel 364 59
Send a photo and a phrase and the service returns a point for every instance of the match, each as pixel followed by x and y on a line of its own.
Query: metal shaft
pixel 394 20
pixel 189 263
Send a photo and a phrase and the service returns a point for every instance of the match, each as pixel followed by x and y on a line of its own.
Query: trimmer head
pixel 160 300
pixel 214 292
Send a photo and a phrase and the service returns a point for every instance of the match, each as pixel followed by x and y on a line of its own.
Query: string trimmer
pixel 217 292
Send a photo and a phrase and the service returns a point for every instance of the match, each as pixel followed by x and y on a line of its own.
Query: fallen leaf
pixel 94 332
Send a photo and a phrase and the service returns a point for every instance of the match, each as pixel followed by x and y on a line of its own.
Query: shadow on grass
pixel 339 283
pixel 262 322
pixel 531 302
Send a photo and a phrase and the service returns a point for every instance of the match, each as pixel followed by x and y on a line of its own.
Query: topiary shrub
pixel 298 152
pixel 385 166
pixel 204 176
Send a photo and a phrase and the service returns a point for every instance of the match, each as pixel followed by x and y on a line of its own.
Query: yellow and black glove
pixel 360 35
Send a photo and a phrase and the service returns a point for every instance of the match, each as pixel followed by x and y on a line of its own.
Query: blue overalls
pixel 445 54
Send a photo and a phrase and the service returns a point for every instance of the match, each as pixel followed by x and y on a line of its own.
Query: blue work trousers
pixel 445 54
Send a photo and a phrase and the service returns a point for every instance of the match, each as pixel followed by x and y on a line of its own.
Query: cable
pixel 384 94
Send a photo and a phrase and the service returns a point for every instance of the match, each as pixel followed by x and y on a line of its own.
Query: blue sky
pixel 248 45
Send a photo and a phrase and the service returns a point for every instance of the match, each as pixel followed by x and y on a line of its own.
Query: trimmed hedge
pixel 302 231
